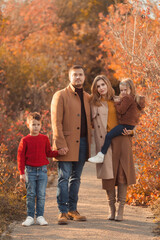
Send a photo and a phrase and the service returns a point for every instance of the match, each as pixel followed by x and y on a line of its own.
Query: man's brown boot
pixel 62 218
pixel 74 215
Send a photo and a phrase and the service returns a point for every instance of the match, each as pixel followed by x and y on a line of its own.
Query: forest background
pixel 40 40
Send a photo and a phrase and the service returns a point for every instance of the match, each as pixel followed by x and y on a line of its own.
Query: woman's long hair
pixel 95 96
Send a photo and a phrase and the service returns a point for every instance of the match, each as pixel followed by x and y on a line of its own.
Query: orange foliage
pixel 8 171
pixel 34 52
pixel 130 38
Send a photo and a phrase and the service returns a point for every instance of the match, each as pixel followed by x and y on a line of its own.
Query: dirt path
pixel 137 224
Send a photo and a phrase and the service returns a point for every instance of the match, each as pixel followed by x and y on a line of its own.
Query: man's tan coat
pixel 66 122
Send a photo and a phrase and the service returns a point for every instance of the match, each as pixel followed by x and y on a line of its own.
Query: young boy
pixel 32 161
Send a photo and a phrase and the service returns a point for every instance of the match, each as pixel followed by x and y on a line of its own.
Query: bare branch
pixel 134 34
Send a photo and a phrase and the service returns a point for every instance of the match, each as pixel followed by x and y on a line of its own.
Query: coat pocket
pixel 66 133
pixel 44 169
pixel 29 169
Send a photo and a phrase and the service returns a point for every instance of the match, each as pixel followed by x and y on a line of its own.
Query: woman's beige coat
pixel 119 152
pixel 99 119
pixel 66 122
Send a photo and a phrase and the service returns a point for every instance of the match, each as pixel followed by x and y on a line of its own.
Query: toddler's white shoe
pixel 28 222
pixel 41 221
pixel 99 158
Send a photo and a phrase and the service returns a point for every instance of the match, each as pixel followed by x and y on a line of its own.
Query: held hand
pixel 127 132
pixel 63 151
pixel 66 149
pixel 22 178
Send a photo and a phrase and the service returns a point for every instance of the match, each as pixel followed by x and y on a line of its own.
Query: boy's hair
pixel 34 115
pixel 129 83
pixel 75 67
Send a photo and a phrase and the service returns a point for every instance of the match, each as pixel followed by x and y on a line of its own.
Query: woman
pixel 118 166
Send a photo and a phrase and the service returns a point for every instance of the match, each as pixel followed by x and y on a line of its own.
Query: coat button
pixel 98 126
pixel 78 127
pixel 98 114
pixel 77 141
pixel 100 136
pixel 78 114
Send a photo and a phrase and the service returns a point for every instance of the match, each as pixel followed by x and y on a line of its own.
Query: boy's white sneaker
pixel 28 222
pixel 99 158
pixel 41 221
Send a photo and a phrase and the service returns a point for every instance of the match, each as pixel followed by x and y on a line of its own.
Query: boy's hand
pixel 22 178
pixel 63 151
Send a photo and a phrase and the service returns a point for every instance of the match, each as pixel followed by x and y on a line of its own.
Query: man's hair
pixel 32 116
pixel 76 67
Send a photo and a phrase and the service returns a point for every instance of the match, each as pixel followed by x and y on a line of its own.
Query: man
pixel 70 116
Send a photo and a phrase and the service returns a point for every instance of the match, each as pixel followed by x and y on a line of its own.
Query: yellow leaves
pixel 111 9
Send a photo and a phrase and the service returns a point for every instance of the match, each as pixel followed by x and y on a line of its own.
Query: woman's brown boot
pixel 111 200
pixel 122 192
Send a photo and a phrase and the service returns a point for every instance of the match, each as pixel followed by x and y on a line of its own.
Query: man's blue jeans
pixel 69 176
pixel 116 131
pixel 36 183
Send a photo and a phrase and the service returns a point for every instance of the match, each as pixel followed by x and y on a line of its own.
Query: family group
pixel 74 113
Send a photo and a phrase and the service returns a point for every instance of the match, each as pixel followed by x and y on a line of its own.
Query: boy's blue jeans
pixel 116 131
pixel 69 174
pixel 36 183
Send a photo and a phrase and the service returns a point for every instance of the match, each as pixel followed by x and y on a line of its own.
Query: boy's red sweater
pixel 33 151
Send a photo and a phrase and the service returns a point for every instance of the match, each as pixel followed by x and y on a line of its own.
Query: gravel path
pixel 137 225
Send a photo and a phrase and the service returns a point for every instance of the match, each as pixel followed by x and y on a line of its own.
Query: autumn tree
pixel 35 53
pixel 80 20
pixel 40 40
pixel 130 38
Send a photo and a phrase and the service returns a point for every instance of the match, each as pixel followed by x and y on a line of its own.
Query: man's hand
pixel 22 178
pixel 63 151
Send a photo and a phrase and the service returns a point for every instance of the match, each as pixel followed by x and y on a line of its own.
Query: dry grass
pixel 12 208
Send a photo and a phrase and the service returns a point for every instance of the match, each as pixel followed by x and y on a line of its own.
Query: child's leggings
pixel 116 131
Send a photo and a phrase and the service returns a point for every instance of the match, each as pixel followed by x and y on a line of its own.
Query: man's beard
pixel 78 85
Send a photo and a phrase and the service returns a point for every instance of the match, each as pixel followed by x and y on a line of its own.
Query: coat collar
pixel 71 88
